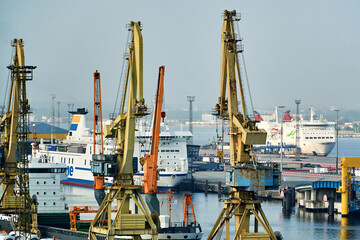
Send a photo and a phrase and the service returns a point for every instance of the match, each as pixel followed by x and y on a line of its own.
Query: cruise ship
pixel 316 136
pixel 77 149
pixel 172 156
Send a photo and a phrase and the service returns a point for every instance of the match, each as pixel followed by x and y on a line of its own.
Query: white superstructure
pixel 172 156
pixel 317 136
pixel 44 183
pixel 76 152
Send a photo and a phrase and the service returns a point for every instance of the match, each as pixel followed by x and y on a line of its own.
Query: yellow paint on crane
pixel 345 188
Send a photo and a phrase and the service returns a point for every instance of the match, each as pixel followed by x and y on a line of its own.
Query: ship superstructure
pixel 317 136
pixel 45 187
pixel 172 157
pixel 77 149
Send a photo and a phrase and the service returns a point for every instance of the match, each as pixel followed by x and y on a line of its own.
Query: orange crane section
pixel 150 169
pixel 98 126
pixel 187 203
pixel 76 210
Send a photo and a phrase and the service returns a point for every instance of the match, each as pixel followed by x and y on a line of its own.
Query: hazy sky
pixel 305 50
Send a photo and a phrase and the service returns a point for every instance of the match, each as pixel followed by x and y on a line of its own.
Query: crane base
pixel 241 205
pixel 125 223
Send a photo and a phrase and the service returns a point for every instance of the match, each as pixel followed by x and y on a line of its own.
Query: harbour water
pixel 296 225
pixel 348 147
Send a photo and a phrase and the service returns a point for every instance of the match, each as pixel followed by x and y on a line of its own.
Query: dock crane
pixel 98 134
pixel 14 162
pixel 246 174
pixel 120 164
pixel 345 188
pixel 151 166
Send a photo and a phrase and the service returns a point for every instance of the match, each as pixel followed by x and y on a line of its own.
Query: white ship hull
pixel 316 137
pixel 167 179
pixel 313 148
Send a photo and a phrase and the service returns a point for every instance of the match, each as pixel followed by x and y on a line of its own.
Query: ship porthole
pixel 173 176
pixel 168 236
pixel 186 236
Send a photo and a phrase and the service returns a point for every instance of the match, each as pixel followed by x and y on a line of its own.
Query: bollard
pixel 193 185
pixel 286 201
pixel 206 186
pixel 331 208
pixel 219 189
pixel 293 199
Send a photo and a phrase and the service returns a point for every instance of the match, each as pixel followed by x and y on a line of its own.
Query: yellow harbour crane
pixel 348 164
pixel 119 165
pixel 246 174
pixel 14 155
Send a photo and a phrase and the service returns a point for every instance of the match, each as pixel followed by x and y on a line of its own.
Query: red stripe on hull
pixel 319 154
pixel 77 184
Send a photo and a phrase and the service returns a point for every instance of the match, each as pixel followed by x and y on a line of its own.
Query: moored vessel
pixel 316 136
pixel 76 152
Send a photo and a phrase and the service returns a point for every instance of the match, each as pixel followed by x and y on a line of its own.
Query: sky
pixel 306 50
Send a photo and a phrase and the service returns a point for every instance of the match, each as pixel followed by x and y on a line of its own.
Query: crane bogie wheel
pixel 278 235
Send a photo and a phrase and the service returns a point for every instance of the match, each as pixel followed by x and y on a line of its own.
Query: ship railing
pixel 182 224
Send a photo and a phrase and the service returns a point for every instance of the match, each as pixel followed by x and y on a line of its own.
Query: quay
pixel 316 189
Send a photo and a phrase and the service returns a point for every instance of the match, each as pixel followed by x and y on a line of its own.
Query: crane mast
pixel 14 162
pixel 119 165
pixel 98 136
pixel 246 175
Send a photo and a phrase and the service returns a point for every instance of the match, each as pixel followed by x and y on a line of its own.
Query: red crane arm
pixel 150 169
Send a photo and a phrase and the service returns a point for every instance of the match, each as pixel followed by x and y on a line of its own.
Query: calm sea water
pixel 348 147
pixel 298 225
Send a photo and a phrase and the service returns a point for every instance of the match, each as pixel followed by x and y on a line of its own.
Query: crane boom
pixel 14 163
pixel 151 165
pixel 9 122
pixel 98 134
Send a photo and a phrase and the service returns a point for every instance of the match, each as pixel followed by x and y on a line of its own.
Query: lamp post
pixel 281 141
pixel 337 141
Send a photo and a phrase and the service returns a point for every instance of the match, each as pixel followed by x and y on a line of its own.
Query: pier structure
pixel 319 196
pixel 324 196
